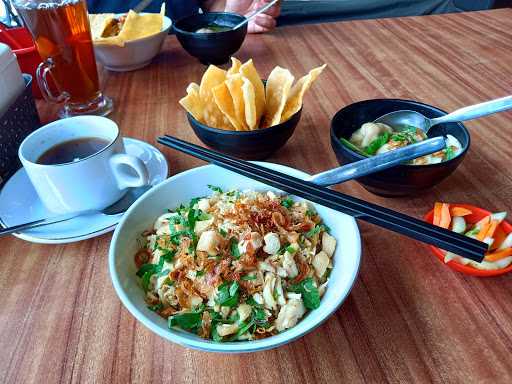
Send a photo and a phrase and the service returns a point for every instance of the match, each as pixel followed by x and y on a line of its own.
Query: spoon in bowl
pixel 255 13
pixel 401 119
pixel 378 163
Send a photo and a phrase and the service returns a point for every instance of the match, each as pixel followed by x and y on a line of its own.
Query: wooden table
pixel 408 319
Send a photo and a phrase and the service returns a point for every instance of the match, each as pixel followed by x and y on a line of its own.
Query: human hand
pixel 264 22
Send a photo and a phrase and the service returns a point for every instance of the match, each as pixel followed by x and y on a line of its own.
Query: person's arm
pixel 214 5
pixel 261 23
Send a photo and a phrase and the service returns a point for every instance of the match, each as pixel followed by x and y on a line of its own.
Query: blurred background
pixel 311 11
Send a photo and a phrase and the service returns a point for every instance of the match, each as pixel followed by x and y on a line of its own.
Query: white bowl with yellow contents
pixel 192 183
pixel 128 55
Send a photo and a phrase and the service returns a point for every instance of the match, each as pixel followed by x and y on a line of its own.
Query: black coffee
pixel 72 150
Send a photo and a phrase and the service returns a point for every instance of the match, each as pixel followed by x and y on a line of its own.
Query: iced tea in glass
pixel 61 32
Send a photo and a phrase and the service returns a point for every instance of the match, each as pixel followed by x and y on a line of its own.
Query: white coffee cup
pixel 91 183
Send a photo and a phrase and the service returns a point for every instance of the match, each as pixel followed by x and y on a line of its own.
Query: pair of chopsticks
pixel 360 209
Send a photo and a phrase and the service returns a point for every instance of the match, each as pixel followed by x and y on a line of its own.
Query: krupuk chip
pixel 238 99
pixel 250 73
pixel 294 102
pixel 277 89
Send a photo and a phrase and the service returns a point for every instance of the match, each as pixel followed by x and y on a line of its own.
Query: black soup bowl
pixel 249 145
pixel 210 48
pixel 404 179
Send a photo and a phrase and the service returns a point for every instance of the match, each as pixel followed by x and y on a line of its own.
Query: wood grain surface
pixel 408 319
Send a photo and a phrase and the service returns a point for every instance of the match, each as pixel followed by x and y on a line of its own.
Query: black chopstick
pixel 386 218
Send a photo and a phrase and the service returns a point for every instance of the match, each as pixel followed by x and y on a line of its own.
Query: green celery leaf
pixel 227 295
pixel 146 268
pixel 449 153
pixel 353 147
pixel 287 203
pixel 248 277
pixel 145 280
pixel 215 188
pixel 309 292
pixel 243 328
pixel 168 255
pixel 233 289
pixel 235 252
pixel 291 249
pixel 187 320
pixel 375 145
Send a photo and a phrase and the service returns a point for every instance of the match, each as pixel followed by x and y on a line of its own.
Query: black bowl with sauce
pixel 404 179
pixel 211 48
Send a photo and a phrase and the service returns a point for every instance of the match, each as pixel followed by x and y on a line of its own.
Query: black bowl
pixel 403 179
pixel 210 48
pixel 250 145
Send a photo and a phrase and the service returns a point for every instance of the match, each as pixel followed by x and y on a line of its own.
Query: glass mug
pixel 62 35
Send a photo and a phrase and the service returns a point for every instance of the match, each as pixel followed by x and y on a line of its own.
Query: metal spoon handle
pixel 39 223
pixel 255 13
pixel 475 111
pixel 378 163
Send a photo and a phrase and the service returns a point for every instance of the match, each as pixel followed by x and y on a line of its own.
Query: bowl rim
pixel 342 147
pixel 165 29
pixel 466 269
pixel 256 132
pixel 205 35
pixel 205 345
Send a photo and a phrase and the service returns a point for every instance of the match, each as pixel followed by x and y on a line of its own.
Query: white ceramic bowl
pixel 135 54
pixel 193 183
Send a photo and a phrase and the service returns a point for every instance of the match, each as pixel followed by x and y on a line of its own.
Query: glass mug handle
pixel 42 72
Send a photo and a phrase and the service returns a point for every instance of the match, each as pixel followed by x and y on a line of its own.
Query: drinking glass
pixel 62 35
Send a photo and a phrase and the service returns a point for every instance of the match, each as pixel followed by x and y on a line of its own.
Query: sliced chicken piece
pixel 320 263
pixel 203 204
pixel 163 220
pixel 293 295
pixel 328 244
pixel 258 298
pixel 289 265
pixel 195 301
pixel 290 314
pixel 225 312
pixel 281 272
pixel 227 329
pixel 202 226
pixel 256 243
pixel 244 311
pixel 272 243
pixel 279 292
pixel 169 297
pixel 268 291
pixel 266 267
pixel 271 195
pixel 322 288
pixel 208 242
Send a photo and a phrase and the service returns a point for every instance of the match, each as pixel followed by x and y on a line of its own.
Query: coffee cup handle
pixel 129 171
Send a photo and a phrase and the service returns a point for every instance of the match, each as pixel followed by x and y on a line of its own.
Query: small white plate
pixel 19 203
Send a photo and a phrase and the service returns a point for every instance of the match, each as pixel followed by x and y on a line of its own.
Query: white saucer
pixel 19 203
